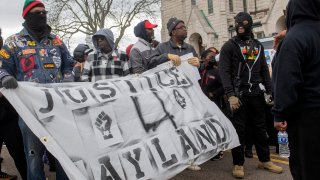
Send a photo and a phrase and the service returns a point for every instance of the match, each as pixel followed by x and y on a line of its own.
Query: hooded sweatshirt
pixel 101 66
pixel 140 31
pixel 251 69
pixel 107 33
pixel 296 68
pixel 142 55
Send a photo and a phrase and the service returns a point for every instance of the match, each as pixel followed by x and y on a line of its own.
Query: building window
pixel 193 2
pixel 245 9
pixel 231 5
pixel 210 7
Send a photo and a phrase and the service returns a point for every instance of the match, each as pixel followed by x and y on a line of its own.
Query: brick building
pixel 211 22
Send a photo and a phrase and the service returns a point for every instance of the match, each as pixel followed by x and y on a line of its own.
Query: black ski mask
pixel 36 22
pixel 244 20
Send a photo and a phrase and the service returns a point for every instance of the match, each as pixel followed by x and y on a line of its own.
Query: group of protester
pixel 237 79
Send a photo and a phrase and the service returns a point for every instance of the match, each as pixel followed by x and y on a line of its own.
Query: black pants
pixel 271 131
pixel 11 135
pixel 252 112
pixel 304 132
pixel 249 137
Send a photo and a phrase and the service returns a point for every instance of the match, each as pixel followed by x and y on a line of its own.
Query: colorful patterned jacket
pixel 48 61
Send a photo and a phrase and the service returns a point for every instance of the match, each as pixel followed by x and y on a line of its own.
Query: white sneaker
pixel 194 167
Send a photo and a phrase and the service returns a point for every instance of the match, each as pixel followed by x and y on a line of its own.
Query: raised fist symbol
pixel 103 124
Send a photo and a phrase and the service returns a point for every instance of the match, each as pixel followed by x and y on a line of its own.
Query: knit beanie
pixel 172 23
pixel 29 4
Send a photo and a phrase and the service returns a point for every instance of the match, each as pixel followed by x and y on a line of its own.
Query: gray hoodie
pixel 106 33
pixel 101 66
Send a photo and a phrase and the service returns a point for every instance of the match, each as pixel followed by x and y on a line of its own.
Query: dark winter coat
pixel 296 66
pixel 142 55
pixel 170 47
pixel 211 83
pixel 251 74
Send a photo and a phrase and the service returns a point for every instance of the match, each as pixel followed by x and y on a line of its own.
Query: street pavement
pixel 222 169
pixel 211 170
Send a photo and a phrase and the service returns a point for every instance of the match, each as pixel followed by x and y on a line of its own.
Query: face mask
pixel 36 22
pixel 243 20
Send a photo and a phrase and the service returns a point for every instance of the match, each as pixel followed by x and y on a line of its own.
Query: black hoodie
pixel 251 73
pixel 296 68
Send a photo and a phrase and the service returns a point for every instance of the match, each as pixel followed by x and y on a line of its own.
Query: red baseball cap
pixel 148 25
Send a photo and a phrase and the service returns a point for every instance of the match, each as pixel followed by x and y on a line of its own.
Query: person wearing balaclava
pixel 143 56
pixel 35 54
pixel 36 20
pixel 106 62
pixel 295 76
pixel 244 71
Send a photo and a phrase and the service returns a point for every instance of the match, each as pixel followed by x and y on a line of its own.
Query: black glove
pixel 9 82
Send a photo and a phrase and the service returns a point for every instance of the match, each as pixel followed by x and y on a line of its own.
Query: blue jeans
pixel 34 150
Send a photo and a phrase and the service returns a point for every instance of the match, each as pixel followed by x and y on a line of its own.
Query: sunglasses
pixel 39 12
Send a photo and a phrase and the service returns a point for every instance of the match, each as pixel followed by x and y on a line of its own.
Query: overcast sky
pixel 11 16
pixel 11 20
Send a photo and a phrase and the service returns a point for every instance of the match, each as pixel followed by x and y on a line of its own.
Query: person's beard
pixel 150 37
pixel 182 37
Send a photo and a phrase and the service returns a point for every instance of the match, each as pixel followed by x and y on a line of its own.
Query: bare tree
pixel 68 17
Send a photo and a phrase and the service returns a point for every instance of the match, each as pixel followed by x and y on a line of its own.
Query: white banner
pixel 138 127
